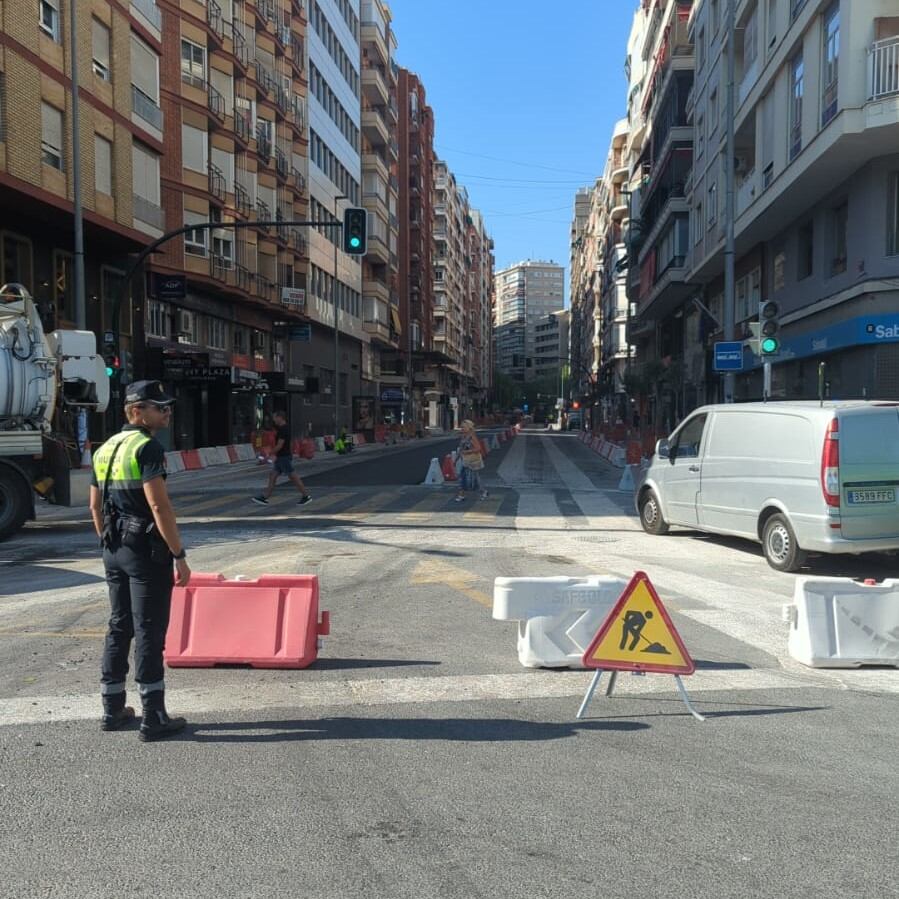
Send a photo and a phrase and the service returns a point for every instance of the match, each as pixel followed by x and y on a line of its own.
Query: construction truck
pixel 46 381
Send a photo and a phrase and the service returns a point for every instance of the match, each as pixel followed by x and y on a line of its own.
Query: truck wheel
pixel 780 546
pixel 14 505
pixel 651 515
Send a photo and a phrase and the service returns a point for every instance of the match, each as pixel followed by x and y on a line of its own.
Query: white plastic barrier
pixel 245 452
pixel 222 454
pixel 320 444
pixel 836 622
pixel 434 477
pixel 558 616
pixel 173 462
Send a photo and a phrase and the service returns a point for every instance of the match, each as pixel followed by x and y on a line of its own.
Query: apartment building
pixel 221 303
pixel 478 358
pixel 411 368
pixel 380 195
pixel 335 182
pixel 658 283
pixel 551 337
pixel 526 293
pixel 120 147
pixel 584 365
pixel 817 193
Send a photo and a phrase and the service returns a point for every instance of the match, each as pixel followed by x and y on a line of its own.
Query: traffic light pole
pixel 337 199
pixel 729 200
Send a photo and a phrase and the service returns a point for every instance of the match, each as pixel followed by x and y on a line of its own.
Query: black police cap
pixel 148 392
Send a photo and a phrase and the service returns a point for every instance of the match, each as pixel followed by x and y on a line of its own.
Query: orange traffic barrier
pixel 271 622
pixel 232 453
pixel 448 468
pixel 634 452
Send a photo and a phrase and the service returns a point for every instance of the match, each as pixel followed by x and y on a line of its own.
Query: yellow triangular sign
pixel 638 635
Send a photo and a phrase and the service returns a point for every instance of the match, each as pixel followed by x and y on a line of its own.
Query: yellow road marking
pixel 432 571
pixel 370 506
pixel 425 508
pixel 190 509
pixel 484 511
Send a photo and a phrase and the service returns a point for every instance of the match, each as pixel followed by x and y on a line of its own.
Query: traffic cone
pixel 86 461
pixel 448 468
pixel 434 477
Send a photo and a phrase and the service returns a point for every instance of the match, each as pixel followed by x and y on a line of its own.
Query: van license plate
pixel 857 497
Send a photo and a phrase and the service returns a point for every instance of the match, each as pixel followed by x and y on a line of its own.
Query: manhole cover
pixel 596 539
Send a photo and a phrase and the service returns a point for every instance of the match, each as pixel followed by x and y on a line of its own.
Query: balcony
pixel 148 212
pixel 377 249
pixel 374 126
pixel 282 166
pixel 241 51
pixel 265 288
pixel 150 11
pixel 376 320
pixel 265 10
pixel 373 162
pixel 374 86
pixel 215 102
pixel 242 200
pixel 215 22
pixel 297 54
pixel 221 267
pixel 145 108
pixel 282 100
pixel 883 69
pixel 242 126
pixel 373 37
pixel 298 242
pixel 377 289
pixel 263 144
pixel 263 214
pixel 298 179
pixel 264 77
pixel 217 186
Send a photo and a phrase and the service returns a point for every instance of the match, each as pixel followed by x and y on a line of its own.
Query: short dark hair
pixel 278 413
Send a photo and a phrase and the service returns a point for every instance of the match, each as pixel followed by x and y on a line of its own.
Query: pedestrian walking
pixel 283 464
pixel 472 461
pixel 143 556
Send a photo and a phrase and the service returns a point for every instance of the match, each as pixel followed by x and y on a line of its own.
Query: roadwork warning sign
pixel 638 635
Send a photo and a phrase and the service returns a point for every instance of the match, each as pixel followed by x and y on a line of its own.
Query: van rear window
pixel 870 438
pixel 760 435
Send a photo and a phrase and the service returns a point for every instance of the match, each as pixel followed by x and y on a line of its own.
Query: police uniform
pixel 139 571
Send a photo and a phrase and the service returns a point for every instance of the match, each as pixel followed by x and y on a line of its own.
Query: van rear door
pixel 869 472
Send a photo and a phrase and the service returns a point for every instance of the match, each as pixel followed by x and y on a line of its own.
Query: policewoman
pixel 143 556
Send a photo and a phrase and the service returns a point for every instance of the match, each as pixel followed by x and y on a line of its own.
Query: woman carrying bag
pixel 472 461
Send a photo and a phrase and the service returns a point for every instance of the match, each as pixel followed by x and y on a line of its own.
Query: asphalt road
pixel 417 758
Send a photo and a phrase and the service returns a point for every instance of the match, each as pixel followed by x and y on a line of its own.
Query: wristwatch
pixel 181 555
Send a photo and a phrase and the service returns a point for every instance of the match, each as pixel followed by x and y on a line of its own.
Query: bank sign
pixel 865 329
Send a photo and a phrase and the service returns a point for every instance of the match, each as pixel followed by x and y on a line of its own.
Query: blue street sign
pixel 729 355
pixel 300 333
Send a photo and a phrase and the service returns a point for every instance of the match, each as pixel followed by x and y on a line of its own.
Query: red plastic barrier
pixel 448 468
pixel 191 459
pixel 634 452
pixel 307 448
pixel 232 453
pixel 359 439
pixel 380 433
pixel 272 622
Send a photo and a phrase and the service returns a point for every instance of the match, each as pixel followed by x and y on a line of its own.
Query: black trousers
pixel 140 596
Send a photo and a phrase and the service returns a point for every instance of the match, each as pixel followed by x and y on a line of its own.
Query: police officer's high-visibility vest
pixel 125 473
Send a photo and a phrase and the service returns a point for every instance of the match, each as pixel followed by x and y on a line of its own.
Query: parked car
pixel 575 420
pixel 795 476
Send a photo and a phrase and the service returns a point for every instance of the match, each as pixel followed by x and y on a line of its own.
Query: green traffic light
pixel 770 345
pixel 109 371
pixel 355 242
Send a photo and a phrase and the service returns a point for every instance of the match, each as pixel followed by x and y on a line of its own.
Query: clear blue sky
pixel 538 87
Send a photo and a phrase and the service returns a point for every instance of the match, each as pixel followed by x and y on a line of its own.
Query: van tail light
pixel 830 464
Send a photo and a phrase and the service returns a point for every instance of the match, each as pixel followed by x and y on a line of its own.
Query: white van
pixel 796 476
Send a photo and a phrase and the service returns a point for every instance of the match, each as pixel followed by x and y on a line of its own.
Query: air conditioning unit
pixel 185 322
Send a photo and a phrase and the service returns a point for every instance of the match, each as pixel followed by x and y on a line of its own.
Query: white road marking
pixel 261 697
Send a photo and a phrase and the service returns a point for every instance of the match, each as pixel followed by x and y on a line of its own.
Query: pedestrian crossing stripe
pixel 638 635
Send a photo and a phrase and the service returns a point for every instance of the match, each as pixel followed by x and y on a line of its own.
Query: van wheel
pixel 651 515
pixel 780 546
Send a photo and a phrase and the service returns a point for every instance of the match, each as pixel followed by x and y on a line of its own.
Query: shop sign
pixel 300 333
pixel 392 395
pixel 243 374
pixel 293 298
pixel 206 374
pixel 169 287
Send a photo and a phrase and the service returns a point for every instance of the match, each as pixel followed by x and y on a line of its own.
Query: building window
pixel 796 91
pixel 700 136
pixel 17 261
pixel 772 23
pixel 700 49
pixel 194 149
pixel 49 19
pixel 840 217
pixel 830 64
pixel 713 113
pixel 806 256
pixel 699 224
pixel 218 334
pixel 750 41
pixel 713 204
pixel 157 319
pixel 51 136
pixel 223 246
pixel 193 64
pixel 100 49
pixel 893 213
pixel 196 241
pixel 102 165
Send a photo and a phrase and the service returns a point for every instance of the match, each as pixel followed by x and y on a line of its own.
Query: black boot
pixel 156 723
pixel 116 714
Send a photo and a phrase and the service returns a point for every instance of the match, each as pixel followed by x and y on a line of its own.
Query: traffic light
pixel 355 231
pixel 575 405
pixel 769 328
pixel 111 358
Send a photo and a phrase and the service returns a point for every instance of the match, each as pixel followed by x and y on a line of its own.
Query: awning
pixel 396 320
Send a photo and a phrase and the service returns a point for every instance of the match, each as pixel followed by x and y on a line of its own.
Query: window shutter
pixel 102 165
pixel 51 126
pixel 144 69
pixel 101 43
